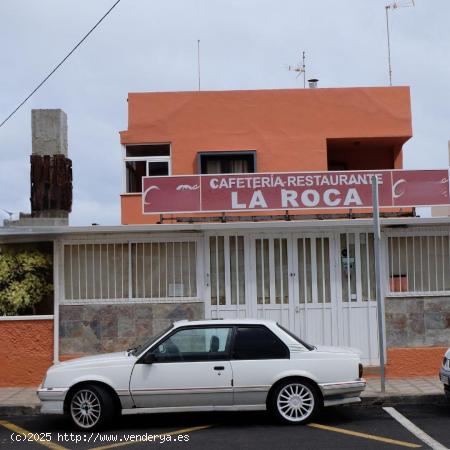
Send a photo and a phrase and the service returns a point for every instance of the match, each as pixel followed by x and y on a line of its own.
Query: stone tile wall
pixel 90 329
pixel 417 321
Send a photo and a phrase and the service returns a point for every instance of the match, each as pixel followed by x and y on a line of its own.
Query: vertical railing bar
pixel 435 261
pixel 305 287
pixel 115 270
pixel 182 268
pixel 442 263
pixel 130 271
pixel 391 245
pixel 281 276
pixel 79 271
pixel 349 288
pixel 159 269
pixel 85 270
pixel 429 265
pixel 143 271
pixel 71 271
pixel 167 269
pixel 407 264
pixel 189 268
pixel 323 271
pixel 174 280
pixel 101 274
pixel 136 269
pixel 236 270
pixel 107 269
pixel 414 262
pixel 121 269
pixel 151 269
pixel 272 284
pixel 399 262
pixel 263 271
pixel 93 271
pixel 217 275
pixel 421 263
pixel 368 266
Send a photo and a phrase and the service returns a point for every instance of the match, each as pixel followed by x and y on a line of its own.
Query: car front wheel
pixel 91 407
pixel 295 402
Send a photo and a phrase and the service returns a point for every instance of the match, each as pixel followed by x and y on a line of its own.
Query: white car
pixel 214 365
pixel 444 373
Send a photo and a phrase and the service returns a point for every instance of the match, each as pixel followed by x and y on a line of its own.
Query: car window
pixel 195 344
pixel 258 343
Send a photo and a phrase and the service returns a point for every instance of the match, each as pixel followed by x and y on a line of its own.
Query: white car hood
pixel 95 360
pixel 345 350
pixel 447 354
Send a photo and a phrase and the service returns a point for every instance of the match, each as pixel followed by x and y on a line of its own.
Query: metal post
pixel 380 309
pixel 389 45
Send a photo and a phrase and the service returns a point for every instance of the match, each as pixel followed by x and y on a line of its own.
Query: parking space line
pixel 415 430
pixel 30 435
pixel 371 437
pixel 170 433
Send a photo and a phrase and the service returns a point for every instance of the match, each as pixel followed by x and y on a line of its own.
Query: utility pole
pixel 380 309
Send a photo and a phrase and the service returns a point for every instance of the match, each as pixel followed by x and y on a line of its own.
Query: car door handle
pixel 219 368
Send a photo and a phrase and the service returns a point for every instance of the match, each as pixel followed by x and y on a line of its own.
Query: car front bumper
pixel 444 376
pixel 343 392
pixel 52 400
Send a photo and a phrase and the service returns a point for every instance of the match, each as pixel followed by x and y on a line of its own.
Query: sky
pixel 146 45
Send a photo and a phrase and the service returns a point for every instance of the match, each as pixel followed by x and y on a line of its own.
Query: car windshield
pixel 136 351
pixel 293 336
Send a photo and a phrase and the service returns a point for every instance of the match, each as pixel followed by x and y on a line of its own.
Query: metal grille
pixel 314 270
pixel 163 269
pixel 130 271
pixel 272 282
pixel 227 270
pixel 357 260
pixel 418 264
pixel 96 271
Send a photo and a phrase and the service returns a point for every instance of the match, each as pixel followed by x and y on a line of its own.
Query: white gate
pixel 320 286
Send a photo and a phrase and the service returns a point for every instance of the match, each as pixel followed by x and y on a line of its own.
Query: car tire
pixel 295 401
pixel 91 407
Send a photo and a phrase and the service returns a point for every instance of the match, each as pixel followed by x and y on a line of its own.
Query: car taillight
pixel 360 370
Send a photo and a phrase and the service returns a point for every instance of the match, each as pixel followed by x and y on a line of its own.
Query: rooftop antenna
pixel 198 63
pixel 10 214
pixel 301 69
pixel 394 5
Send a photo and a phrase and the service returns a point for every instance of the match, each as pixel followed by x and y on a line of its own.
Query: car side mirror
pixel 148 358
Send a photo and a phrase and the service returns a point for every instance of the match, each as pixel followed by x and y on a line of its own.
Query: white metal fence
pixel 137 271
pixel 419 264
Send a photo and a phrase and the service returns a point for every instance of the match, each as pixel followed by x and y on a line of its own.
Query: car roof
pixel 182 323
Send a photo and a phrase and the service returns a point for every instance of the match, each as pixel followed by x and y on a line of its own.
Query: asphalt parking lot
pixel 352 427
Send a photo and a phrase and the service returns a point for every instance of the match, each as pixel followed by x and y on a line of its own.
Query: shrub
pixel 25 281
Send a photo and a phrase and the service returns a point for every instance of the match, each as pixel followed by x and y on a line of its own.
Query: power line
pixel 60 63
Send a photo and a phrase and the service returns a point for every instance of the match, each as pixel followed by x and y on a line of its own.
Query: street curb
pixel 375 400
pixel 383 400
pixel 19 410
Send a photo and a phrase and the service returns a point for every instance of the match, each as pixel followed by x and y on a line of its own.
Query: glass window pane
pixel 258 343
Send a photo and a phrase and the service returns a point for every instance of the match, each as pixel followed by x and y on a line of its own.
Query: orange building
pixel 179 133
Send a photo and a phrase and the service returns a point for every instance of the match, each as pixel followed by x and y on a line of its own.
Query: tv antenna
pixel 300 68
pixel 10 214
pixel 394 5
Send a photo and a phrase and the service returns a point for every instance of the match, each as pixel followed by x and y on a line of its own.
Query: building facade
pixel 312 271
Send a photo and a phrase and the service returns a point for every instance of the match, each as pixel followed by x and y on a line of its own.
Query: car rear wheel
pixel 91 407
pixel 295 402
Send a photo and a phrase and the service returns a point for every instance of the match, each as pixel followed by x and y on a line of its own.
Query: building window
pixel 120 272
pixel 227 162
pixel 419 264
pixel 145 160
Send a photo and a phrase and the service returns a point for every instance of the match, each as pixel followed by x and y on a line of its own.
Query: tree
pixel 25 281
